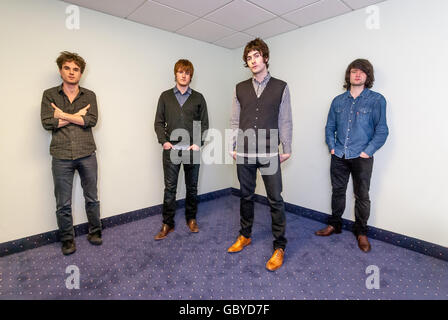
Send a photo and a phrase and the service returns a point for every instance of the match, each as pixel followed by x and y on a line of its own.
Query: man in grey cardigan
pixel 261 120
pixel 180 122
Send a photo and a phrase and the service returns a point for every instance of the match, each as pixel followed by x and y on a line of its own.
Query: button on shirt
pixel 356 125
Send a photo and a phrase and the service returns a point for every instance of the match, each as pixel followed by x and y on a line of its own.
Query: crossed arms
pixel 66 118
pixel 53 117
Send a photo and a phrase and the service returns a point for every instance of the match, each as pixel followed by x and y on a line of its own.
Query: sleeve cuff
pixel 85 122
pixel 370 151
pixel 55 123
pixel 287 149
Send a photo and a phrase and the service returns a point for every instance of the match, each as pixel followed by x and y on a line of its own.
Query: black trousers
pixel 247 175
pixel 63 173
pixel 171 175
pixel 361 171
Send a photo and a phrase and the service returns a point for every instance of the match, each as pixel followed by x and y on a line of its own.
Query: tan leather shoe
pixel 276 260
pixel 240 243
pixel 164 232
pixel 327 231
pixel 192 224
pixel 363 243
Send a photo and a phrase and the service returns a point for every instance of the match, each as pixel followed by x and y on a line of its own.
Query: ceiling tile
pixel 234 41
pixel 205 30
pixel 161 16
pixel 358 4
pixel 271 28
pixel 218 21
pixel 239 15
pixel 196 7
pixel 117 8
pixel 318 11
pixel 282 6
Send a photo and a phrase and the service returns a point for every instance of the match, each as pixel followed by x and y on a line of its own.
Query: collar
pixel 176 90
pixel 264 81
pixel 81 90
pixel 363 94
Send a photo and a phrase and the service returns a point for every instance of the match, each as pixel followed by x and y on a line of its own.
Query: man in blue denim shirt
pixel 356 128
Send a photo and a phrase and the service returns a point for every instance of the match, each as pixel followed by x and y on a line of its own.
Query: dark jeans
pixel 247 175
pixel 171 174
pixel 361 171
pixel 63 173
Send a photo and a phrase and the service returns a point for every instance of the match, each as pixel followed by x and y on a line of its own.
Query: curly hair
pixel 66 56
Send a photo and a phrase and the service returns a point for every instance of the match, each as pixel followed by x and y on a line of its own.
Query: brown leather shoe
pixel 363 243
pixel 95 238
pixel 192 224
pixel 68 247
pixel 276 260
pixel 240 243
pixel 327 231
pixel 164 232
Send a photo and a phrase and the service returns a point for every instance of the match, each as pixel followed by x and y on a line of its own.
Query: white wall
pixel 128 66
pixel 409 186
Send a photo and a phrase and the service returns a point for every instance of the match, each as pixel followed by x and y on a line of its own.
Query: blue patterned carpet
pixel 131 265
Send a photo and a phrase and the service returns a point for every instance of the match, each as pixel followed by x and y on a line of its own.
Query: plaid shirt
pixel 71 141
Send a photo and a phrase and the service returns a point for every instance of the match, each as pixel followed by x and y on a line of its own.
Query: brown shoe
pixel 95 238
pixel 327 231
pixel 68 247
pixel 363 243
pixel 240 243
pixel 276 260
pixel 192 224
pixel 164 232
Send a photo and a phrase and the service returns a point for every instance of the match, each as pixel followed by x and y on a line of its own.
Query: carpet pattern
pixel 131 265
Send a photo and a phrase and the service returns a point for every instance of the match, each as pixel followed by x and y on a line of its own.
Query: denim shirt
pixel 356 125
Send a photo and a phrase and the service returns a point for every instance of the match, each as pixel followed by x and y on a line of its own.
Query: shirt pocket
pixel 338 111
pixel 363 114
pixel 82 104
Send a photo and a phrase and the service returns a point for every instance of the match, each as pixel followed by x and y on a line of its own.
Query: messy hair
pixel 257 45
pixel 66 56
pixel 366 67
